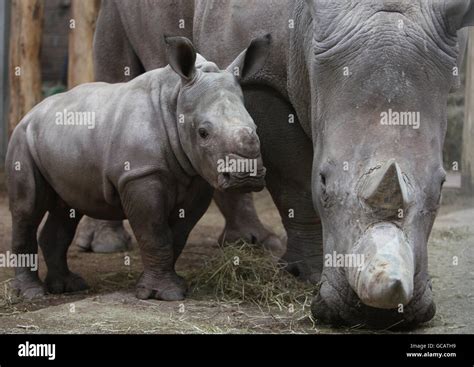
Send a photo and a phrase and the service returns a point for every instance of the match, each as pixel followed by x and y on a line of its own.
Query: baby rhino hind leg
pixel 26 283
pixel 28 196
pixel 55 239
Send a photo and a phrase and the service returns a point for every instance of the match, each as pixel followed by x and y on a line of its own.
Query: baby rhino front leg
pixel 146 206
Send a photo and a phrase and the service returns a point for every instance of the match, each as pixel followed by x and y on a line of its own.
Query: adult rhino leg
pixel 304 249
pixel 304 253
pixel 242 222
pixel 287 154
pixel 115 61
pixel 103 236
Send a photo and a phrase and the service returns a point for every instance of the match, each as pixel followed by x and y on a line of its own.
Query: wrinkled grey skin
pixel 395 174
pixel 151 157
pixel 337 158
pixel 405 69
pixel 129 35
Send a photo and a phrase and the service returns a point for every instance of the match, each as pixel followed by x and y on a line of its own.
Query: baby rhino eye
pixel 203 133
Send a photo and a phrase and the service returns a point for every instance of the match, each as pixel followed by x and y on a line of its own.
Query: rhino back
pixel 219 29
pixel 150 20
pixel 224 28
pixel 126 137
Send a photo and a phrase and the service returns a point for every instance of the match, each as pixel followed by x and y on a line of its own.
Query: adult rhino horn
pixel 385 279
pixel 386 188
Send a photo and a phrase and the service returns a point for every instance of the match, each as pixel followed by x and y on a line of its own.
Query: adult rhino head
pixel 380 74
pixel 215 130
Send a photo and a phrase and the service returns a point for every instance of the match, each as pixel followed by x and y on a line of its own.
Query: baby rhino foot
pixel 71 282
pixel 27 288
pixel 170 287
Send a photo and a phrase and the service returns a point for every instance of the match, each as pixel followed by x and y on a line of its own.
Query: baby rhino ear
pixel 181 57
pixel 251 60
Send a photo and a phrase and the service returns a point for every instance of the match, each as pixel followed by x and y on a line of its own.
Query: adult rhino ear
pixel 460 13
pixel 181 56
pixel 251 61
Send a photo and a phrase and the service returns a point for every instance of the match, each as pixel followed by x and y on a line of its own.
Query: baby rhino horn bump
pixel 386 189
pixel 248 144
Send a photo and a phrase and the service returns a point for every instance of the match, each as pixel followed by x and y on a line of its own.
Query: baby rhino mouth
pixel 240 174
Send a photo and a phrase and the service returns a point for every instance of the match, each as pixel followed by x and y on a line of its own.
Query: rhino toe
pixel 169 288
pixel 65 284
pixel 176 294
pixel 28 290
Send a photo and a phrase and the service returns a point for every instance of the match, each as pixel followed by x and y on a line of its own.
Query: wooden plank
pixel 467 179
pixel 25 67
pixel 81 36
pixel 4 34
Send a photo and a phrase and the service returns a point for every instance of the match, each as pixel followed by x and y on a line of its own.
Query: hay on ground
pixel 244 274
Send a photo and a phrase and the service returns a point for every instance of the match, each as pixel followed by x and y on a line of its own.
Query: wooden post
pixel 82 27
pixel 4 34
pixel 467 180
pixel 25 66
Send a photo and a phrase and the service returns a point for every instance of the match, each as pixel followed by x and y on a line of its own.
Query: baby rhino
pixel 151 150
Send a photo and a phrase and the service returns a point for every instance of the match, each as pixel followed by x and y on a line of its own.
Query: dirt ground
pixel 110 306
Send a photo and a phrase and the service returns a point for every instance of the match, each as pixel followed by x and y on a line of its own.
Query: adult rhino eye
pixel 323 180
pixel 203 133
pixel 324 194
pixel 441 189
